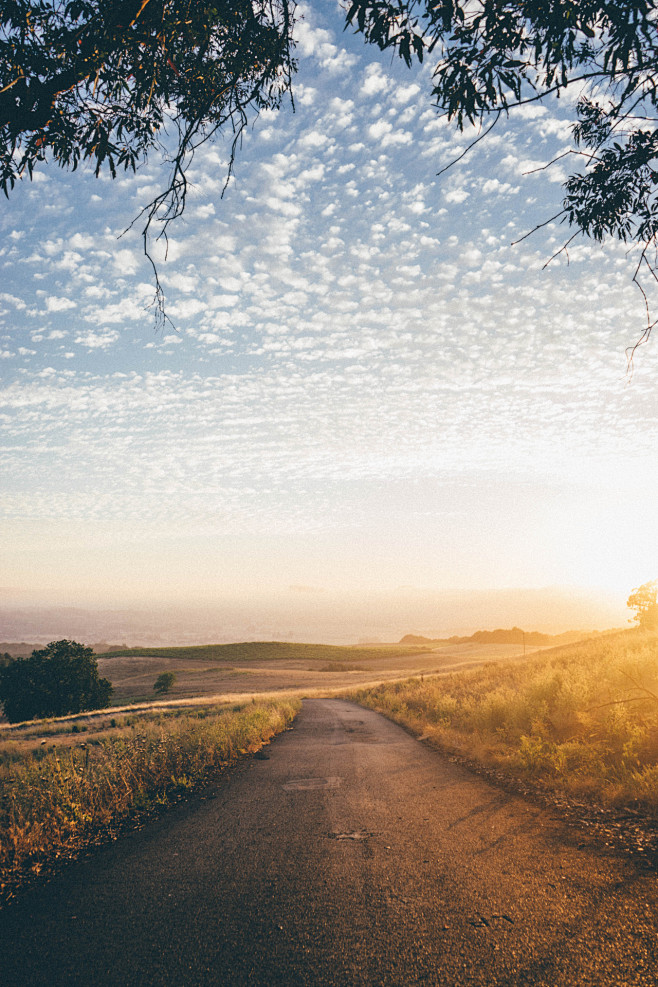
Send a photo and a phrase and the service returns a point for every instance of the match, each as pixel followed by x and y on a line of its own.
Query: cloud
pixel 187 308
pixel 55 304
pixel 403 94
pixel 100 340
pixel 311 40
pixel 318 43
pixel 81 241
pixel 205 211
pixel 380 129
pixel 375 81
pixel 397 137
pixel 313 140
pixel 126 261
pixel 457 195
pixel 12 300
pixel 185 283
pixel 493 186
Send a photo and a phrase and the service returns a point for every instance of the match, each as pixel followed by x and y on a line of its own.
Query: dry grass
pixel 581 718
pixel 59 796
pixel 276 667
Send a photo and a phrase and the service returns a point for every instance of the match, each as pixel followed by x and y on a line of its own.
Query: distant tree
pixel 59 679
pixel 644 600
pixel 164 682
pixel 5 659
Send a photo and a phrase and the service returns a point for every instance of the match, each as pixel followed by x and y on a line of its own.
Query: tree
pixel 103 79
pixel 61 678
pixel 644 600
pixel 495 55
pixel 164 682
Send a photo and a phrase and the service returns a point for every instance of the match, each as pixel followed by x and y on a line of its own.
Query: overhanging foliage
pixel 104 81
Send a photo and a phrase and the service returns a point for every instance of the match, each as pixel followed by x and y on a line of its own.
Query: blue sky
pixel 369 386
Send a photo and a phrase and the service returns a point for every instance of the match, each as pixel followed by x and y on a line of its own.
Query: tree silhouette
pixel 106 80
pixel 493 56
pixel 59 679
pixel 644 600
pixel 164 682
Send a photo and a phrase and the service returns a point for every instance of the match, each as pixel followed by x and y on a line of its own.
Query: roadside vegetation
pixel 85 781
pixel 581 719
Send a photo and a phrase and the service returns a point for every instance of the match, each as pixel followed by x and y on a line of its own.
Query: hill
pixel 511 635
pixel 18 649
pixel 247 651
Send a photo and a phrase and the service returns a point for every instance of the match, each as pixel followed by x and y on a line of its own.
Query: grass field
pixel 226 671
pixel 66 784
pixel 582 718
pixel 248 651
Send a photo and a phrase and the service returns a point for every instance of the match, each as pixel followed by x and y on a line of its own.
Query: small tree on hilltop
pixel 644 600
pixel 61 678
pixel 164 683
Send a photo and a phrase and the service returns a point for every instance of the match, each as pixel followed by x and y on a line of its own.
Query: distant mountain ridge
pixel 18 649
pixel 511 635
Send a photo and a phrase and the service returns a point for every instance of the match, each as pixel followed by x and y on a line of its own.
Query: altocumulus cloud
pixel 344 320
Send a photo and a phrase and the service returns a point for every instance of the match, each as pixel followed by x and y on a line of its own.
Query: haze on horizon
pixel 310 614
pixel 370 387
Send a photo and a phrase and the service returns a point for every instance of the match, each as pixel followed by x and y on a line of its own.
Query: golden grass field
pixel 228 671
pixel 581 719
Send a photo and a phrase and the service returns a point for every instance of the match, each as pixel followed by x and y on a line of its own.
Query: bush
pixel 164 682
pixel 60 679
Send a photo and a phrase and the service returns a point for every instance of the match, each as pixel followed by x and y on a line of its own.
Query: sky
pixel 370 389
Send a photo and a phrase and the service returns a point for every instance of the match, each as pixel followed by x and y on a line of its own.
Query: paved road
pixel 352 856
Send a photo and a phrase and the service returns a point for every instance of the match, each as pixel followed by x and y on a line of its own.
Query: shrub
pixel 164 683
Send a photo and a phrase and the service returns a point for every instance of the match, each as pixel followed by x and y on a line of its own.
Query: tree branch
pixel 646 332
pixel 564 247
pixel 539 226
pixel 565 154
pixel 470 146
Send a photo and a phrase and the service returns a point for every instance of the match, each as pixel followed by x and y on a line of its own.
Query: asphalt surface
pixel 352 855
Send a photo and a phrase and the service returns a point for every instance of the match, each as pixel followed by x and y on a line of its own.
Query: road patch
pixel 310 784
